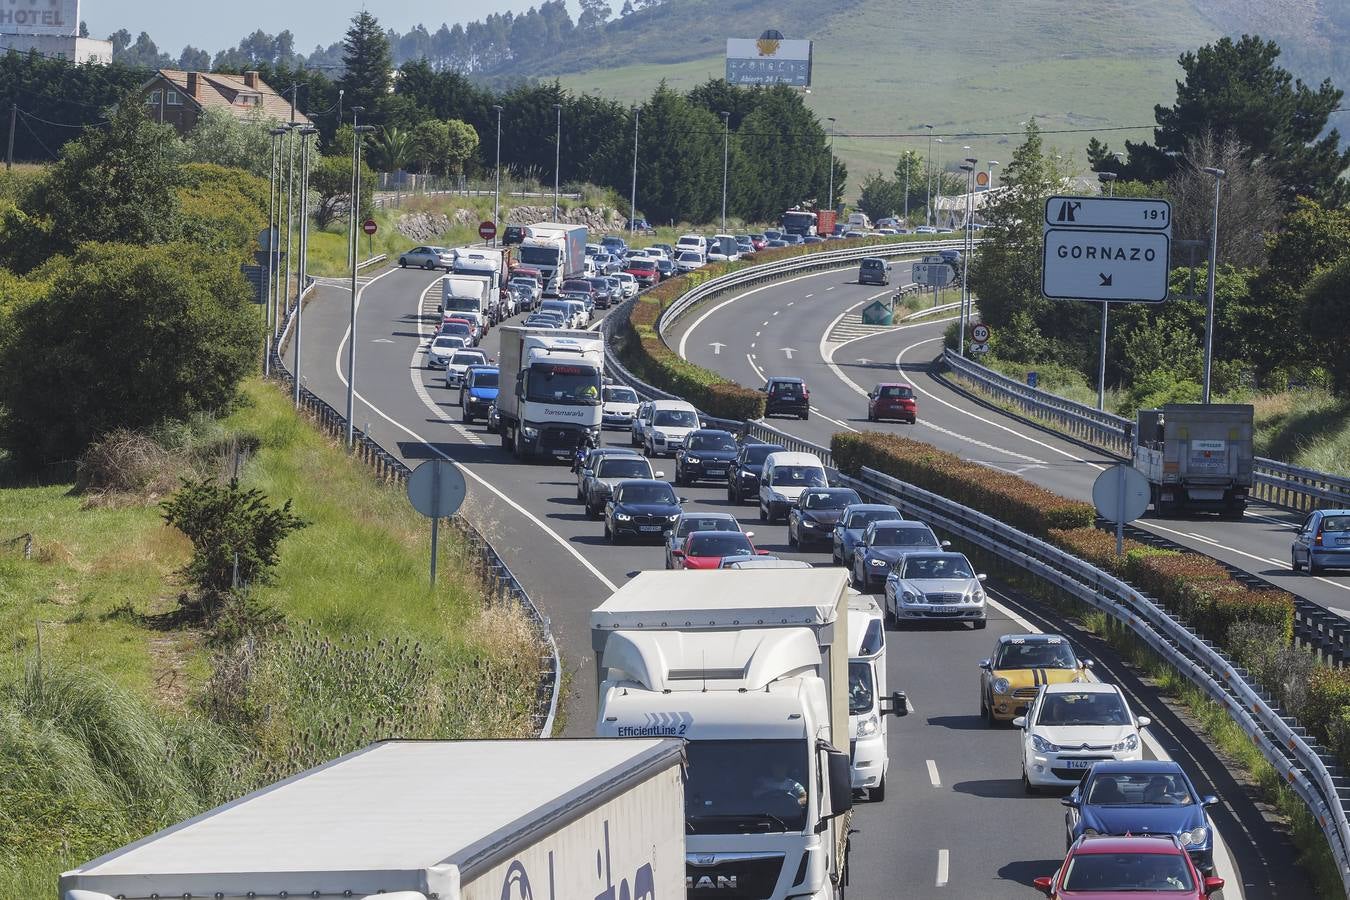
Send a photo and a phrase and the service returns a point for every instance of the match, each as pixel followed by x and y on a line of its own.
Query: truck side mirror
pixel 840 768
pixel 899 704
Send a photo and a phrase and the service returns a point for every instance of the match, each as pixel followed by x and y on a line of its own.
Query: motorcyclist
pixel 588 443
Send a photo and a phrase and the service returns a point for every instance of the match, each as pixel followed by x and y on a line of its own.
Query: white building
pixel 50 27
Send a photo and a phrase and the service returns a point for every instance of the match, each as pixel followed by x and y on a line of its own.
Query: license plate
pixel 717 472
pixel 649 528
pixel 561 454
pixel 1078 763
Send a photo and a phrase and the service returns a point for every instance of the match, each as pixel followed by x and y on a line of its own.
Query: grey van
pixel 874 271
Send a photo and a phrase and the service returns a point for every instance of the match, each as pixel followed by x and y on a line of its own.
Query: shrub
pixel 127 462
pixel 1326 713
pixel 1095 546
pixel 1282 669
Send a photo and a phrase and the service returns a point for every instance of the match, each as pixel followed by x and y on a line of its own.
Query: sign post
pixel 370 226
pixel 1121 494
pixel 436 489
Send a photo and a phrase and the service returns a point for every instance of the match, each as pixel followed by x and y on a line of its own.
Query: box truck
pixel 751 669
pixel 869 703
pixel 467 293
pixel 417 820
pixel 1197 457
pixel 550 390
pixel 558 251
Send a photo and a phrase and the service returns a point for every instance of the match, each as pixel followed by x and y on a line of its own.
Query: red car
pixel 1103 867
pixel 450 319
pixel 707 549
pixel 892 400
pixel 644 270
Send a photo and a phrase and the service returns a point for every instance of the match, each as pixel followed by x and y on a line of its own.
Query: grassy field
pixel 1307 428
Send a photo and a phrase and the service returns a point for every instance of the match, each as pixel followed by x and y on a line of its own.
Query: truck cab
pixel 550 398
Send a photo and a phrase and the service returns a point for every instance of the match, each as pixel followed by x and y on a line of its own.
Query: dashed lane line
pixel 933 773
pixel 943 868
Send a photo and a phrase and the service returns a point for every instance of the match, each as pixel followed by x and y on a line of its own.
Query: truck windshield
pixel 564 383
pixel 461 304
pixel 538 256
pixel 738 787
pixel 798 221
pixel 861 690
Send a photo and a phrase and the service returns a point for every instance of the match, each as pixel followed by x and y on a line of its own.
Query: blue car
pixel 1323 542
pixel 477 393
pixel 1144 797
pixel 853 521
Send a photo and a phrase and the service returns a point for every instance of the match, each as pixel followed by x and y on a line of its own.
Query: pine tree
pixel 369 66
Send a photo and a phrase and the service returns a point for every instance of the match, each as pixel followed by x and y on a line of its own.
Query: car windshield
pixel 896 392
pixel 937 567
pixel 726 543
pixel 828 499
pixel 1336 523
pixel 1107 872
pixel 1139 789
pixel 1083 708
pixel 899 536
pixel 446 341
pixel 690 524
pixel 689 256
pixel 558 382
pixel 456 328
pixel 620 395
pixel 861 691
pixel 538 256
pixel 1023 654
pixel 647 493
pixel 466 359
pixel 755 454
pixel 624 468
pixel 642 265
pixel 711 441
pixel 861 518
pixel 675 418
pixel 485 380
pixel 524 282
pixel 734 787
pixel 799 476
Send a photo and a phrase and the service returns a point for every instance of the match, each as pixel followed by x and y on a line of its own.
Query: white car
pixel 618 406
pixel 656 253
pixel 783 477
pixel 630 284
pixel 459 364
pixel 925 229
pixel 441 348
pixel 936 587
pixel 723 248
pixel 428 258
pixel 696 242
pixel 669 424
pixel 688 261
pixel 527 284
pixel 1071 726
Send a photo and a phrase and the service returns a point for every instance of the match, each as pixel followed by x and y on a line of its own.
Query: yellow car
pixel 1020 665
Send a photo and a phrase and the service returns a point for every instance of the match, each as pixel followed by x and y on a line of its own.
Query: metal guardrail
pixel 1277 483
pixel 501 584
pixel 379 257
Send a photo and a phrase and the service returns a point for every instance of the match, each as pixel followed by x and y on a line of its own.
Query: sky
pixel 215 26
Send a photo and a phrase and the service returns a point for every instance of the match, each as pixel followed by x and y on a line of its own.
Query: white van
pixel 783 478
pixel 859 221
pixel 667 423
pixel 868 702
pixel 696 242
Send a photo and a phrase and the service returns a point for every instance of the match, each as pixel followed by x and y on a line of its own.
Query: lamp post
pixel 290 215
pixel 990 186
pixel 1209 300
pixel 273 239
pixel 357 131
pixel 937 178
pixel 1109 179
pixel 632 203
pixel 351 210
pixel 726 143
pixel 905 157
pixel 341 91
pixel 928 214
pixel 305 134
pixel 557 158
pixel 829 195
pixel 969 168
pixel 497 190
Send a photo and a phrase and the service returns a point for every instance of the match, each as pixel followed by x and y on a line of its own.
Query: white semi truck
pixel 557 250
pixel 751 668
pixel 1197 457
pixel 416 820
pixel 550 390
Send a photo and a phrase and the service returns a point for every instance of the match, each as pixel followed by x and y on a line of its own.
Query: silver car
pixel 442 347
pixel 459 364
pixel 428 258
pixel 935 587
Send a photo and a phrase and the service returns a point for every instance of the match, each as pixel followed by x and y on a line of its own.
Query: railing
pixel 501 585
pixel 377 258
pixel 1275 482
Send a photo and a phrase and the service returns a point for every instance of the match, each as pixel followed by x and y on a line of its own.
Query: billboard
pixel 54 17
pixel 767 60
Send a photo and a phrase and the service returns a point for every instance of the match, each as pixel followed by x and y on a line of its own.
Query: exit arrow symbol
pixel 864 361
pixel 1106 280
pixel 717 348
pixel 788 350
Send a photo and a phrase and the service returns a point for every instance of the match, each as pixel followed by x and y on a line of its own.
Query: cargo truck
pixel 558 251
pixel 417 820
pixel 869 704
pixel 751 668
pixel 1197 457
pixel 550 394
pixel 467 293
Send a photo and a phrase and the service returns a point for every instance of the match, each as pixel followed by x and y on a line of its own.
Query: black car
pixel 665 267
pixel 786 397
pixel 707 453
pixel 514 234
pixel 640 507
pixel 743 479
pixel 813 519
pixel 604 292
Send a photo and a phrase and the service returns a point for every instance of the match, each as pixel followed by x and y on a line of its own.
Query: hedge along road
pixel 840 371
pixel 954 804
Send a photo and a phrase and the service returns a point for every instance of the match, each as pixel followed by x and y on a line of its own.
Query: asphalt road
pixel 955 823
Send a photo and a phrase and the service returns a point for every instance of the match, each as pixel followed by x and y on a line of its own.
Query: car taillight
pixel 806 395
pixel 1317 538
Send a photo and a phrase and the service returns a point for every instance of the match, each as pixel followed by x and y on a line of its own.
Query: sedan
pixel 853 521
pixel 743 479
pixel 1322 542
pixel 1102 867
pixel 707 454
pixel 688 523
pixel 935 587
pixel 688 261
pixel 883 543
pixel 641 508
pixel 459 364
pixel 1072 726
pixel 458 329
pixel 1145 797
pixel 707 549
pixel 442 347
pixel 428 258
pixel 813 519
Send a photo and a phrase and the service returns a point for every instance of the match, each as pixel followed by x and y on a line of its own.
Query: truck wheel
pixel 505 435
pixel 878 793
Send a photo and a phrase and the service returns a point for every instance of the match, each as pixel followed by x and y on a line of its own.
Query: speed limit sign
pixel 980 333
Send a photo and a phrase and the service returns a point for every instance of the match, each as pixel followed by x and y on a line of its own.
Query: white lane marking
pixel 758 333
pixel 944 862
pixel 933 773
pixel 790 302
pixel 750 358
pixel 1151 526
pixel 835 421
pixel 1290 525
pixel 765 322
pixel 752 345
pixel 431 405
pixel 684 338
pixel 807 297
pixel 830 288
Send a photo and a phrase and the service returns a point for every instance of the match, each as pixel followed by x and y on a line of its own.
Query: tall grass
pixel 1306 428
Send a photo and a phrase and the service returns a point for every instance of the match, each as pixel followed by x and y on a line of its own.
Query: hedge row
pixel 1011 499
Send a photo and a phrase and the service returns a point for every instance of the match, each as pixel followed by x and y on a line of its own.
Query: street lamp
pixel 726 142
pixel 273 246
pixel 290 213
pixel 928 214
pixel 829 196
pixel 557 158
pixel 632 203
pixel 351 205
pixel 357 131
pixel 497 191
pixel 1209 302
pixel 305 134
pixel 1109 179
pixel 937 178
pixel 969 168
pixel 990 186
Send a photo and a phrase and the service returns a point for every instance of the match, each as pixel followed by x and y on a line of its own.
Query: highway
pixel 955 822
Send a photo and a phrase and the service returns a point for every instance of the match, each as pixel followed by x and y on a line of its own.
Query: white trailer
pixel 549 398
pixel 416 820
pixel 467 293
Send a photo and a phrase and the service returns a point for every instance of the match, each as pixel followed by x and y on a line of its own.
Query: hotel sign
pixel 52 17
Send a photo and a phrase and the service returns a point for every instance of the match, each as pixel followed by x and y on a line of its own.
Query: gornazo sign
pixel 51 17
pixel 1115 250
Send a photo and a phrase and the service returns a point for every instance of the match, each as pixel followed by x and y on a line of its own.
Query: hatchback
pixel 1322 542
pixel 892 400
pixel 1104 867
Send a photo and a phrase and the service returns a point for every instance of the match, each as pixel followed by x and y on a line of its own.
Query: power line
pixel 38 139
pixel 27 115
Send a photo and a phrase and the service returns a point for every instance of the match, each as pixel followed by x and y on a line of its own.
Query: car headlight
pixel 809 523
pixel 672 518
pixel 977 596
pixel 868 726
pixel 658 436
pixel 879 563
pixel 692 460
pixel 529 431
pixel 1193 838
pixel 1131 742
pixel 623 517
pixel 909 597
pixel 1041 745
pixel 1001 685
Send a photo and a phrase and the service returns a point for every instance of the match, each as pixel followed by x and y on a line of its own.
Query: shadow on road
pixel 992 788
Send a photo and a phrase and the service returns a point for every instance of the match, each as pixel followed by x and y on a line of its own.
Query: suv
pixel 515 234
pixel 874 271
pixel 786 396
pixel 743 479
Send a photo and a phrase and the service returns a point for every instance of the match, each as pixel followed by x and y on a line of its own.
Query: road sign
pixel 487 230
pixel 1121 494
pixel 1117 266
pixel 436 489
pixel 1125 213
pixel 369 226
pixel 933 261
pixel 981 179
pixel 1033 378
pixel 980 347
pixel 939 273
pixel 980 333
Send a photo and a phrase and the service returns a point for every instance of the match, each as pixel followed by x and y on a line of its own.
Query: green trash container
pixel 878 313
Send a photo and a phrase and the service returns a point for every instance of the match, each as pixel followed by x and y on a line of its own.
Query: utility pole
pixel 726 136
pixel 305 134
pixel 632 204
pixel 928 207
pixel 353 201
pixel 357 131
pixel 497 191
pixel 1213 258
pixel 557 158
pixel 272 240
pixel 1109 179
pixel 829 192
pixel 906 159
pixel 13 121
pixel 969 168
